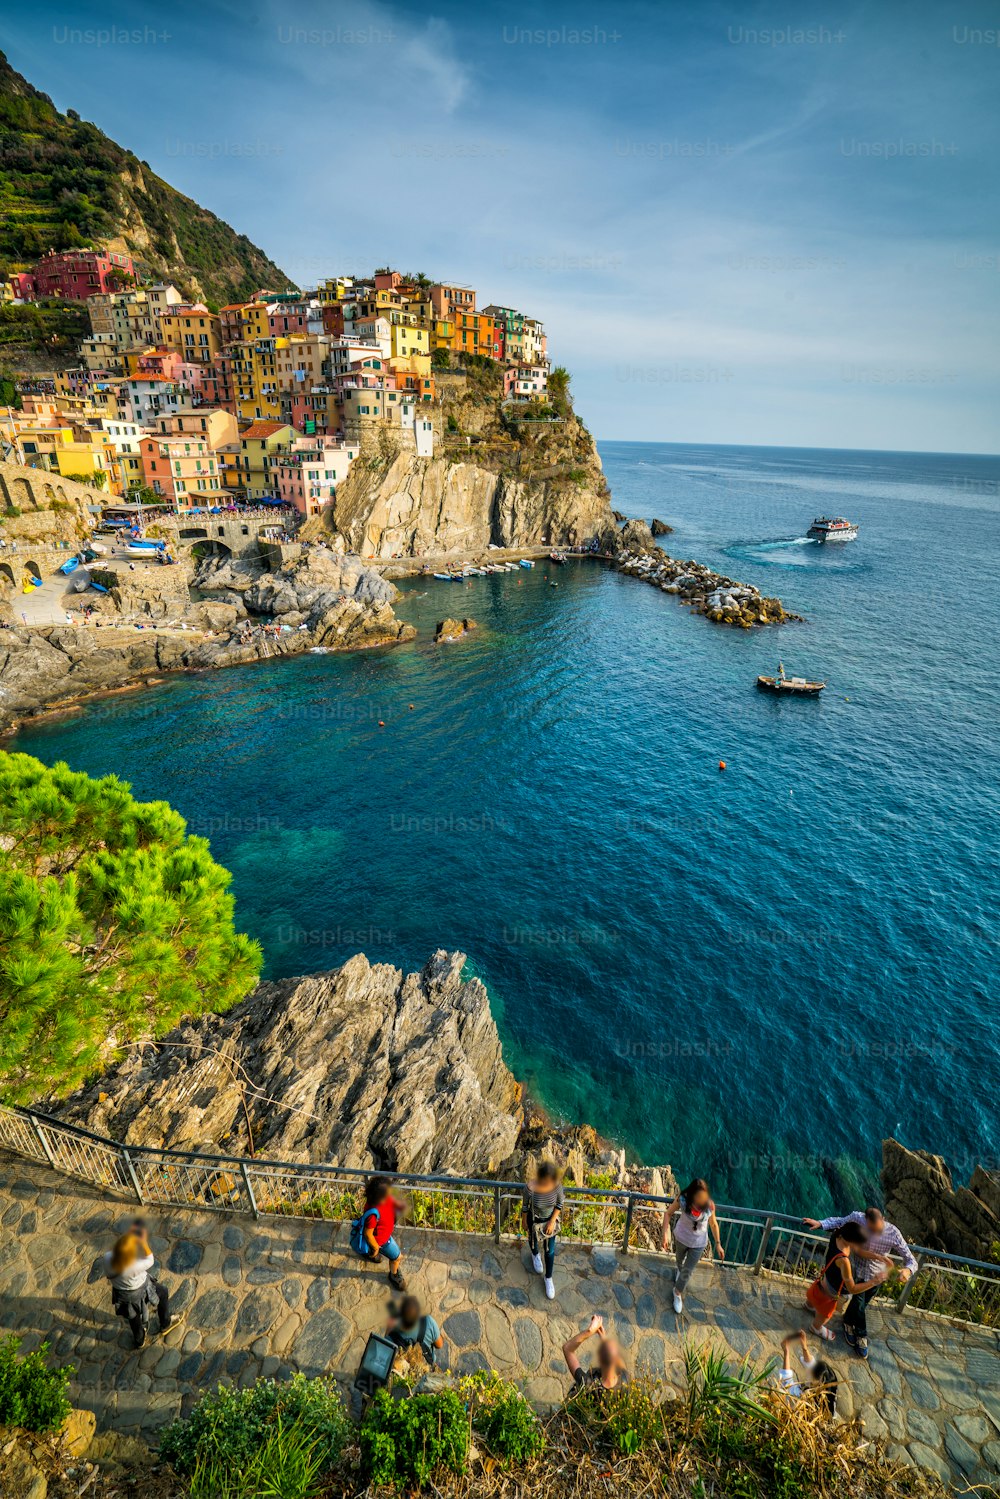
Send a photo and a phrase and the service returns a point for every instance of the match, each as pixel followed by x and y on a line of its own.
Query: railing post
pixel 496 1213
pixel 904 1294
pixel 765 1239
pixel 132 1176
pixel 628 1224
pixel 249 1189
pixel 43 1142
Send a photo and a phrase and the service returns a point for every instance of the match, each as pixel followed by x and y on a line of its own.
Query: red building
pixel 75 275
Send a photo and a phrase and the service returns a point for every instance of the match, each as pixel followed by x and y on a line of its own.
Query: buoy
pixel 722 764
pixel 411 707
pixel 381 723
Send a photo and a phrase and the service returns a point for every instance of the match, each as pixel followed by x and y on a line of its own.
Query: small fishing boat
pixel 70 566
pixel 526 562
pixel 146 549
pixel 790 686
pixel 557 558
pixel 98 587
pixel 443 577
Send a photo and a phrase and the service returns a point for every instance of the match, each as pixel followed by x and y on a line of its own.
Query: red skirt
pixel 822 1303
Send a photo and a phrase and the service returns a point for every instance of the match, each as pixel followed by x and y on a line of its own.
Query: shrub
pixel 404 1442
pixel 502 1417
pixel 288 1464
pixel 31 1394
pixel 227 1429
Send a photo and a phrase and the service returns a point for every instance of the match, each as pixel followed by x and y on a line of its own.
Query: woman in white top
pixel 133 1289
pixel 695 1212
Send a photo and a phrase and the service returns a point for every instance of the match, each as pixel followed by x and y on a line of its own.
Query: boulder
pixel 660 528
pixel 77 1432
pixel 927 1208
pixel 453 629
pixel 637 537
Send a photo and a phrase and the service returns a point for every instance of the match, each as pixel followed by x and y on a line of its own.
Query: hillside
pixel 63 184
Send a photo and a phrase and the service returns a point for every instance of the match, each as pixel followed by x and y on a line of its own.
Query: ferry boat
pixel 792 686
pixel 825 528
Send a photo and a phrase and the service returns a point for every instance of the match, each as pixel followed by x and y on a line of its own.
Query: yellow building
pixel 407 338
pixel 192 332
pixel 260 446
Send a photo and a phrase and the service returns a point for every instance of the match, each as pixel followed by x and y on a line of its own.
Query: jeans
pixel 549 1251
pixel 686 1259
pixel 856 1315
pixel 161 1297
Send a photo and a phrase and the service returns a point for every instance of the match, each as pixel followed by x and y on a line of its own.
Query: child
pixel 412 1326
pixel 822 1381
pixel 542 1207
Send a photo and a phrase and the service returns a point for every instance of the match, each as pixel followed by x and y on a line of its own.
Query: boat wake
pixel 795 551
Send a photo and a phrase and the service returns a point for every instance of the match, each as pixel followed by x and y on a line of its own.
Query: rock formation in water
pixel 453 629
pixel 926 1206
pixel 198 622
pixel 709 593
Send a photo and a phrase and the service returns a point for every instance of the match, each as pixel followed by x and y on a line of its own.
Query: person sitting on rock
pixel 821 1381
pixel 377 1222
pixel 542 1207
pixel 410 1327
pixel 133 1289
pixel 608 1372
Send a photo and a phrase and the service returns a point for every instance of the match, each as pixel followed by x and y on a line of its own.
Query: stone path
pixel 270 1298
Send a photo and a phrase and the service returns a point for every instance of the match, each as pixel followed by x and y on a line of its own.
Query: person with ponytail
pixel 695 1212
pixel 133 1289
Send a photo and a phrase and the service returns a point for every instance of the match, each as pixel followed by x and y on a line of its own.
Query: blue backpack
pixel 358 1241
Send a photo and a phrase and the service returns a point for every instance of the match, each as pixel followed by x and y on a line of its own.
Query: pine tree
pixel 114 925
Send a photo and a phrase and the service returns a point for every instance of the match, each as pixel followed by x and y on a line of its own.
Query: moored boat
pixel 791 686
pixel 836 528
pixel 557 558
pixel 526 562
pixel 70 566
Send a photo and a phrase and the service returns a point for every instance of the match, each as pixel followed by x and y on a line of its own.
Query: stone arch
pixel 32 568
pixel 7 575
pixel 189 533
pixel 61 494
pixel 21 495
pixel 211 548
pixel 49 494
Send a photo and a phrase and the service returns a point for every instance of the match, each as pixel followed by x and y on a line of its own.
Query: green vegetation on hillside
pixel 54 328
pixel 64 184
pixel 32 1395
pixel 114 925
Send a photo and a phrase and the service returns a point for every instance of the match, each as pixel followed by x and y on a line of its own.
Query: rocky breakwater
pixel 363 1067
pixel 218 618
pixel 718 598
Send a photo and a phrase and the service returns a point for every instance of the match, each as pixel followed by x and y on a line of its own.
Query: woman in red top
pixel 378 1221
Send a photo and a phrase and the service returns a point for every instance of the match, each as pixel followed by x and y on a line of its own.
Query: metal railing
pixel 763 1243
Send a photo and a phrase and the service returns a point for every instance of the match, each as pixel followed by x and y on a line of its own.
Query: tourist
pixel 133 1289
pixel 837 1278
pixel 372 1233
pixel 608 1372
pixel 411 1327
pixel 822 1381
pixel 695 1212
pixel 542 1207
pixel 884 1239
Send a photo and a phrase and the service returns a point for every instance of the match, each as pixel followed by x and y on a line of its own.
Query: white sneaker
pixel 550 1289
pixel 678 1304
pixel 536 1263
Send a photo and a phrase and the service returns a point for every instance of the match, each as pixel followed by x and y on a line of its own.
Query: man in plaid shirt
pixel 884 1242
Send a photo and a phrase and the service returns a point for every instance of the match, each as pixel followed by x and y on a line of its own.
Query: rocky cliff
pixel 500 476
pixel 361 1066
pixel 928 1208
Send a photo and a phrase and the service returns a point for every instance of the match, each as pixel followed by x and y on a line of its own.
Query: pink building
pixel 309 473
pixel 75 275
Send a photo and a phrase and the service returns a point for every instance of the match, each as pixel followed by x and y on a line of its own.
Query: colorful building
pixel 261 445
pixel 192 331
pixel 75 275
pixel 308 474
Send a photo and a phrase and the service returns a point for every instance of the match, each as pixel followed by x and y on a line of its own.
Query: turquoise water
pixel 752 975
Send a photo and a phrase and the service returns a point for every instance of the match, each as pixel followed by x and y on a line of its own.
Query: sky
pixel 739 224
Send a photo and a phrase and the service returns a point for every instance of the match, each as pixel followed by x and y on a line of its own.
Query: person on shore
pixel 695 1212
pixel 373 1236
pixel 883 1240
pixel 821 1381
pixel 837 1278
pixel 608 1372
pixel 542 1208
pixel 410 1326
pixel 133 1289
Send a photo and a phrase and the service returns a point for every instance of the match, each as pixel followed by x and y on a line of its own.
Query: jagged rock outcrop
pixel 362 1066
pixel 660 528
pixel 453 629
pixel 636 536
pixel 719 598
pixel 926 1206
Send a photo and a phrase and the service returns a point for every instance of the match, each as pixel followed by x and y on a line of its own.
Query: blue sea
pixel 753 975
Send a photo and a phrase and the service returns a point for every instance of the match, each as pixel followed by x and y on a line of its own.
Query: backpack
pixel 423 1341
pixel 358 1241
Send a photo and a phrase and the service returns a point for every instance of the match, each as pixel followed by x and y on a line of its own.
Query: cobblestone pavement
pixel 272 1297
